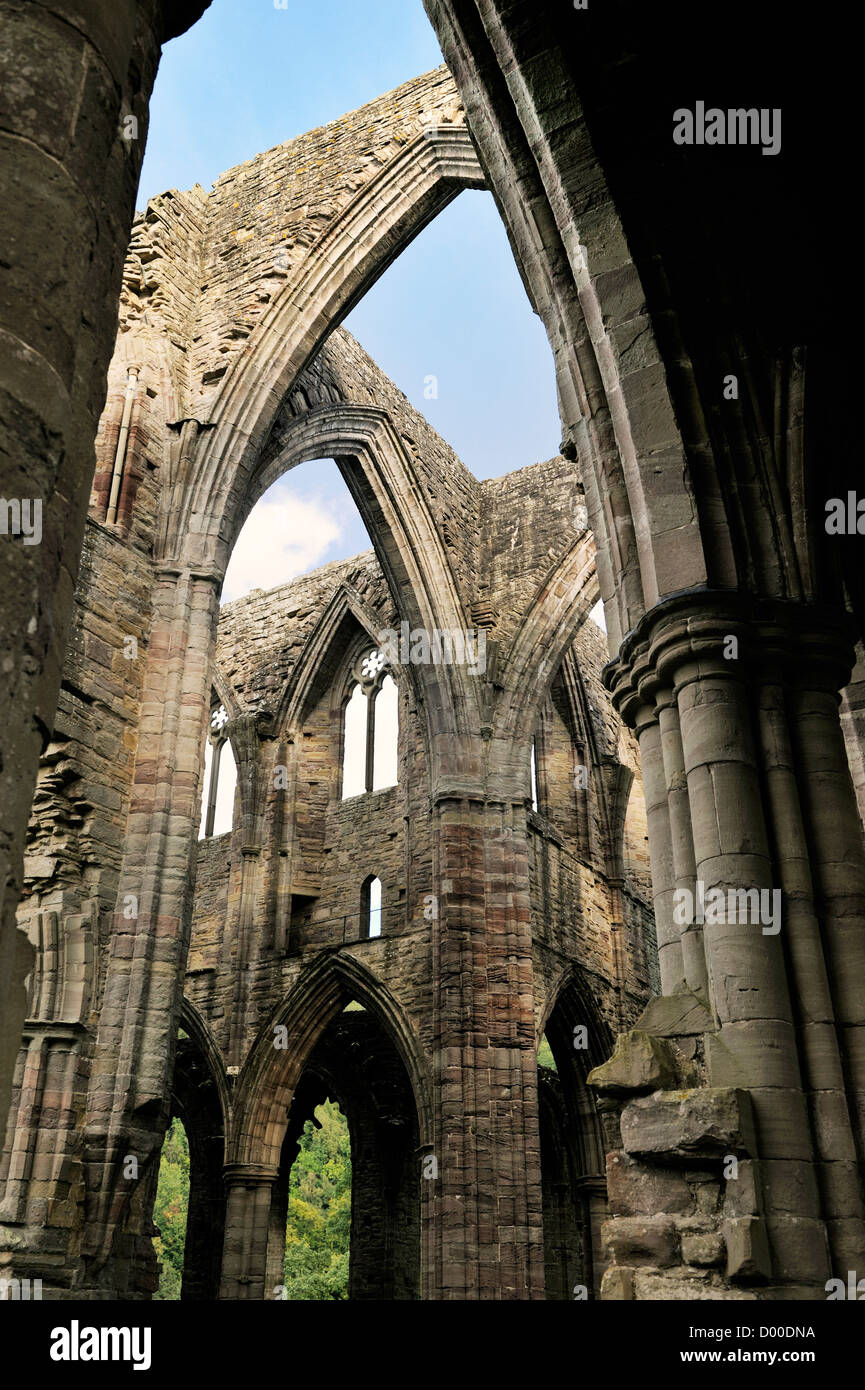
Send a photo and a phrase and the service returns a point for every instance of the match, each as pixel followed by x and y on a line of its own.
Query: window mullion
pixel 370 739
pixel 211 791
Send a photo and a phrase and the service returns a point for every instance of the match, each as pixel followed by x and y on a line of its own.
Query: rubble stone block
pixel 636 1189
pixel 747 1248
pixel 632 1240
pixel 617 1285
pixel 640 1062
pixel 702 1248
pixel 707 1122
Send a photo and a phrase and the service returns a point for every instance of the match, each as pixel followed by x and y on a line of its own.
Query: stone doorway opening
pixel 355 1101
pixel 572 1156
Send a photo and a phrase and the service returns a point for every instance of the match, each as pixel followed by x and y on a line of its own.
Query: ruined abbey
pixel 467 824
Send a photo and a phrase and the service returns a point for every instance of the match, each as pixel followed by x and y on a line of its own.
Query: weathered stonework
pixel 706 514
pixel 272 934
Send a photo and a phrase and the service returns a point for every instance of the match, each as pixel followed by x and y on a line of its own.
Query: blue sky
pixel 249 76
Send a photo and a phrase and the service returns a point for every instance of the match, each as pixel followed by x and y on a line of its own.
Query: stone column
pixel 821 1060
pixel 770 806
pixel 593 1190
pixel 485 1239
pixel 132 1068
pixel 75 88
pixel 853 724
pixel 247 1231
pixel 681 833
pixel 275 1266
pixel 839 857
pixel 246 902
pixel 645 723
pixel 749 990
pixel 40 1168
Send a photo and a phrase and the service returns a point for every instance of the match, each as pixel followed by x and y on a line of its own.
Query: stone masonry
pixel 707 1141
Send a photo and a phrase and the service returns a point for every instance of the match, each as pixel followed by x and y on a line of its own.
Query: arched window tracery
pixel 220 776
pixel 371 728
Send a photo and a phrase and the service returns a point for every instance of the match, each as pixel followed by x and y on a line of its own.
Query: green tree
pixel 545 1055
pixel 170 1211
pixel 319 1210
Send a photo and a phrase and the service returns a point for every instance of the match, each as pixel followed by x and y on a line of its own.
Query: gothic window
pixel 354 754
pixel 220 777
pixel 534 771
pixel 370 907
pixel 371 737
pixel 386 714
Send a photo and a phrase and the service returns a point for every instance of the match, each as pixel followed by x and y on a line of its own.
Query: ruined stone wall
pixel 264 215
pixel 528 520
pixel 72 879
pixel 613 236
pixel 70 79
pixel 482 901
pixel 338 843
pixel 342 372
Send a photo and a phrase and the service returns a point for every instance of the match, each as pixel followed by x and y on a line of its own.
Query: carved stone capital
pixel 722 634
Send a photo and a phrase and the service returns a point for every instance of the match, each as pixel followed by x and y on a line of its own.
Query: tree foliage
pixel 545 1055
pixel 319 1210
pixel 170 1209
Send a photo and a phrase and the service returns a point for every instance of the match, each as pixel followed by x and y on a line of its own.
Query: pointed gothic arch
pixel 389 491
pixel 559 609
pixel 200 1100
pixel 270 1074
pixel 366 236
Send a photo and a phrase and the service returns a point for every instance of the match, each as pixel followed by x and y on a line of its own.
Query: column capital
pixel 249 1174
pixel 247 730
pixel 727 634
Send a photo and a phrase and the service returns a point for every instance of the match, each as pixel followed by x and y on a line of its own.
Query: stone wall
pixel 69 82
pixel 498 922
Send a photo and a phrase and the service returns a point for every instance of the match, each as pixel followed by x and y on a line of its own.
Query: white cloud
pixel 280 539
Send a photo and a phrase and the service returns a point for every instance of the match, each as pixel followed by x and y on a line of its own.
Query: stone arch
pixel 220 762
pixel 370 902
pixel 270 1075
pixel 193 1023
pixel 617 413
pixel 345 603
pixel 366 236
pixel 225 691
pixel 571 994
pixel 384 481
pixel 355 1064
pixel 348 626
pixel 547 630
pixel 200 1099
pixel 573 1143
